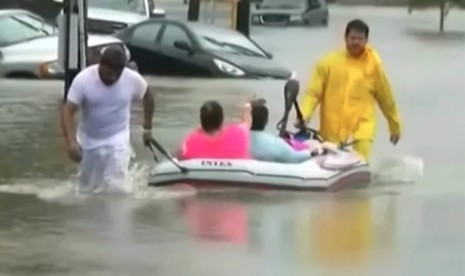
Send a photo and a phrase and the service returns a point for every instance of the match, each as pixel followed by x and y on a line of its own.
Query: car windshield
pixel 20 28
pixel 283 3
pixel 228 41
pixel 134 6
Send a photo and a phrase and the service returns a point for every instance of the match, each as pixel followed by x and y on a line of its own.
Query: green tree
pixel 443 5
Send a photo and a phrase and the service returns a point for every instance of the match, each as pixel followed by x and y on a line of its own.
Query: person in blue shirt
pixel 265 146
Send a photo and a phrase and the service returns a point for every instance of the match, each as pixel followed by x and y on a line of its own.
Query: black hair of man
pixel 113 57
pixel 259 117
pixel 358 25
pixel 211 116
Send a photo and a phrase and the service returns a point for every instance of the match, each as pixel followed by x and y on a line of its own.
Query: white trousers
pixel 104 169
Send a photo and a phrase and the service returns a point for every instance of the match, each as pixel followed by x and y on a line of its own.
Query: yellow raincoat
pixel 347 89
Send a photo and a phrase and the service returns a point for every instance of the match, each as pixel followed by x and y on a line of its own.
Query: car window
pixel 134 6
pixel 14 30
pixel 225 40
pixel 283 4
pixel 36 23
pixel 146 33
pixel 174 33
pixel 313 4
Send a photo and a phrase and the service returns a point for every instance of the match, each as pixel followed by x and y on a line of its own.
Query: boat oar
pixel 166 154
pixel 298 112
pixel 303 129
pixel 291 89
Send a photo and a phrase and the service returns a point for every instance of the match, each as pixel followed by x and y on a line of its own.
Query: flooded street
pixel 400 230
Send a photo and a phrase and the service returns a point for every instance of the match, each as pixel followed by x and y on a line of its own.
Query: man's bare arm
pixel 148 107
pixel 67 122
pixel 247 115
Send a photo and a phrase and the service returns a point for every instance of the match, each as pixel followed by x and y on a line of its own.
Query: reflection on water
pixel 338 232
pixel 268 234
pixel 343 232
pixel 225 222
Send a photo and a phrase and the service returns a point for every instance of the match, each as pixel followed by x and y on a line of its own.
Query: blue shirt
pixel 265 146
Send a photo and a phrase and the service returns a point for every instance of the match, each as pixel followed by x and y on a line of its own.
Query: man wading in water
pixel 347 84
pixel 103 93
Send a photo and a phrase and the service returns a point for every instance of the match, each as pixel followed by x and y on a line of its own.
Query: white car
pixel 109 16
pixel 29 46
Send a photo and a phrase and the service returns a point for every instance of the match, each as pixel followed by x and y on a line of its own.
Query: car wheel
pixel 325 22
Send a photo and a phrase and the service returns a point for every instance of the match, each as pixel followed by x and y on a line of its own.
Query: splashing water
pixel 398 169
pixel 63 191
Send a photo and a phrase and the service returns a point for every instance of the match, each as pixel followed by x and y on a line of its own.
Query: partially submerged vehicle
pixel 167 47
pixel 333 170
pixel 291 12
pixel 29 46
pixel 110 16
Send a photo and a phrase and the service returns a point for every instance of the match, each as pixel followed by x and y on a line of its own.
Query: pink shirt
pixel 233 142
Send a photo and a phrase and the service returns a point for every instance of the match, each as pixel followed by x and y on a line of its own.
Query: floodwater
pixel 400 230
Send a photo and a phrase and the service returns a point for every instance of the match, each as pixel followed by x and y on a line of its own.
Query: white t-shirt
pixel 105 110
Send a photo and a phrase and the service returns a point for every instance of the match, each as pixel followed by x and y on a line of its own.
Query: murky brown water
pixel 414 230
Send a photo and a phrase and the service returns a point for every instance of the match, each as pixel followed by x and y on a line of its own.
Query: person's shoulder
pixel 133 74
pixel 374 55
pixel 332 56
pixel 265 137
pixel 85 74
pixel 193 134
pixel 234 127
pixel 259 135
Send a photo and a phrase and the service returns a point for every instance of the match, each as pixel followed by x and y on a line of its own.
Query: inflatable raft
pixel 332 172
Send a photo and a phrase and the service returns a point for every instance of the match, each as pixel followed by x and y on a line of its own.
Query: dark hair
pixel 211 116
pixel 113 57
pixel 358 25
pixel 259 117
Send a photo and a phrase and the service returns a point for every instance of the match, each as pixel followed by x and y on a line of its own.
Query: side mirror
pixel 183 45
pixel 158 13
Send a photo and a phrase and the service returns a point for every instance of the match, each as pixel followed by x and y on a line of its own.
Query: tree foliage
pixel 435 3
pixel 443 5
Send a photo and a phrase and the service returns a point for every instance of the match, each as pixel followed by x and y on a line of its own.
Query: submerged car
pixel 109 16
pixel 289 12
pixel 29 46
pixel 174 48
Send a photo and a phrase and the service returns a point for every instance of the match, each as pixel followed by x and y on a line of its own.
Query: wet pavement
pixel 400 230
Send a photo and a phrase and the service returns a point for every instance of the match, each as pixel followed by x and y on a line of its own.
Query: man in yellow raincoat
pixel 347 84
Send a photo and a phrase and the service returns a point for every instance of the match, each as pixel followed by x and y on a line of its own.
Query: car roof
pixel 14 11
pixel 193 25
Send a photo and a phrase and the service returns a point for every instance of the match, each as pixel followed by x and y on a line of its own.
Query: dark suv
pixel 287 12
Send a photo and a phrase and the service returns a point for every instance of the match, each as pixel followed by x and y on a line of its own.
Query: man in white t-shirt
pixel 103 93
